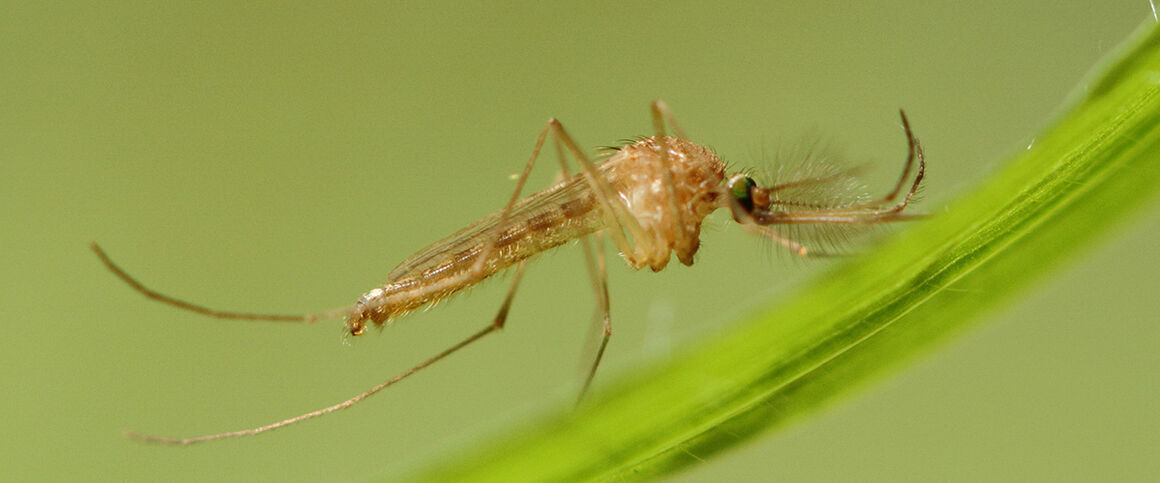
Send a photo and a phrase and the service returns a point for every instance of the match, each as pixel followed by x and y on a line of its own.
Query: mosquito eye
pixel 742 190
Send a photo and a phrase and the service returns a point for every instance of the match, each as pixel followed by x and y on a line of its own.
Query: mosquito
pixel 648 196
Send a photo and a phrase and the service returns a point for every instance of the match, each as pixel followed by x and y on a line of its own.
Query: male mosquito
pixel 648 196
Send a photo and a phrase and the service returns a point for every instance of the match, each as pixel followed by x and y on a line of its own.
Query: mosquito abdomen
pixel 542 221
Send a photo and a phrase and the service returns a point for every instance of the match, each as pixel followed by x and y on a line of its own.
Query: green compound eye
pixel 741 190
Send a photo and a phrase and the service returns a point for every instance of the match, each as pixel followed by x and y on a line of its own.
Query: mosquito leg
pixel 217 314
pixel 495 325
pixel 585 245
pixel 660 111
pixel 477 268
pixel 660 107
pixel 600 276
pixel 914 153
pixel 616 214
pixel 597 272
pixel 914 150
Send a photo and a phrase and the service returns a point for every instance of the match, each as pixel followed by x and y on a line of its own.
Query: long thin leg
pixel 602 301
pixel 217 314
pixel 507 209
pixel 660 111
pixel 598 274
pixel 915 150
pixel 585 245
pixel 495 325
pixel 662 108
pixel 615 212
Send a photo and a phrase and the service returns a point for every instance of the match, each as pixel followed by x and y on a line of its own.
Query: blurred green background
pixel 284 158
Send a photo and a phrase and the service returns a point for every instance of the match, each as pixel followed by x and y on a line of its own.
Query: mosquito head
pixel 746 198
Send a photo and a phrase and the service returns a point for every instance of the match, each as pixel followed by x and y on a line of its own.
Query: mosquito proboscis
pixel 649 197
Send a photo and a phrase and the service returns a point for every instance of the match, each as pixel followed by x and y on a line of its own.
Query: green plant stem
pixel 1098 164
